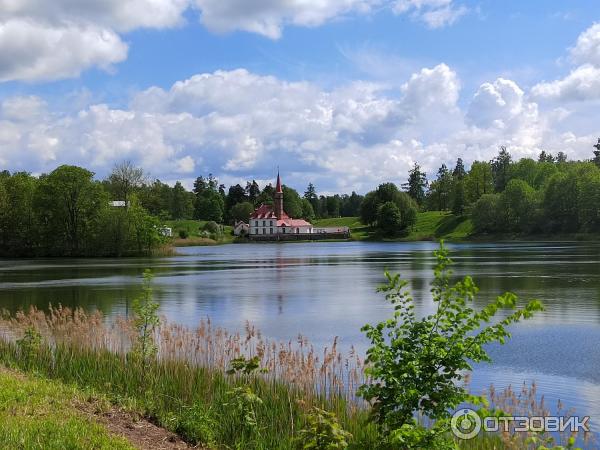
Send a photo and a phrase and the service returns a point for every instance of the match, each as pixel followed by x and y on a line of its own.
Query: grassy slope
pixel 193 228
pixel 37 413
pixel 194 402
pixel 430 225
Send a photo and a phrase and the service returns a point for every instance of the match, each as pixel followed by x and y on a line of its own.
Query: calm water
pixel 322 290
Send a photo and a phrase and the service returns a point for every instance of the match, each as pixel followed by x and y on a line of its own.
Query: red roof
pixel 287 222
pixel 263 212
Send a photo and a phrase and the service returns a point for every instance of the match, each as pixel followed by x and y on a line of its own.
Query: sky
pixel 345 94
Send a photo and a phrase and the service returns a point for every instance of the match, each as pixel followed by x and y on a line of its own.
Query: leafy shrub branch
pixel 415 363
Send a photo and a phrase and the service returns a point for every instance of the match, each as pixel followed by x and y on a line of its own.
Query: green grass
pixel 193 229
pixel 194 402
pixel 39 414
pixel 430 225
pixel 435 225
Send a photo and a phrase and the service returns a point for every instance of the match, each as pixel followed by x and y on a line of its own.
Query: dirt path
pixel 138 431
pixel 141 433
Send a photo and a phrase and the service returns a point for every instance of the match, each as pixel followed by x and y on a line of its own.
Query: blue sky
pixel 344 93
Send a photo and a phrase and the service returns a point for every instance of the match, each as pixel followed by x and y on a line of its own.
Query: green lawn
pixel 358 230
pixel 193 228
pixel 430 225
pixel 40 414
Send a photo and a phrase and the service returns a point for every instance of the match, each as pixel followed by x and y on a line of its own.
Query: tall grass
pixel 186 389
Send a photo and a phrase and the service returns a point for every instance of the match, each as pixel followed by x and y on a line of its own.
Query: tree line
pixel 67 212
pixel 549 195
pixel 211 200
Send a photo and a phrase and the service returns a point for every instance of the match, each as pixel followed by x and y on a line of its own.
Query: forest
pixel 68 212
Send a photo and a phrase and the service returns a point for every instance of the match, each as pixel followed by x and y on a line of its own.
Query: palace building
pixel 271 222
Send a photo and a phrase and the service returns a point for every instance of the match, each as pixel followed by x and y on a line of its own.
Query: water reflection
pixel 322 290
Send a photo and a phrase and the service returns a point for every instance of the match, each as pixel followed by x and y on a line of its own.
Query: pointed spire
pixel 278 186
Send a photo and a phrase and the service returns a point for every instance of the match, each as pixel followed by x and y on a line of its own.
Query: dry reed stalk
pixel 297 363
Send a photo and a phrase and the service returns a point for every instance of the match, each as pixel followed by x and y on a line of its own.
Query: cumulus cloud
pixel 49 40
pixel 267 17
pixel 240 125
pixel 429 89
pixel 36 51
pixel 583 82
pixel 434 13
pixel 587 49
pixel 22 108
pixel 120 15
pixel 496 104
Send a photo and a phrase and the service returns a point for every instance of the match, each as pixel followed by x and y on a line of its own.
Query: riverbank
pixel 429 226
pixel 188 391
pixel 263 403
pixel 37 412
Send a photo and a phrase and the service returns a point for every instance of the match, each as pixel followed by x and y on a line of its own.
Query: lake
pixel 323 290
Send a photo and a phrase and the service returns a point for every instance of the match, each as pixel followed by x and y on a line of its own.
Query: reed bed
pixel 186 389
pixel 186 386
pixel 325 374
pixel 525 401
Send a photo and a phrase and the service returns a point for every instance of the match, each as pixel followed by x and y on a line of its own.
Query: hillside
pixel 430 225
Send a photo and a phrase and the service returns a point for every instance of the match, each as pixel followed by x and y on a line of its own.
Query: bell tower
pixel 278 198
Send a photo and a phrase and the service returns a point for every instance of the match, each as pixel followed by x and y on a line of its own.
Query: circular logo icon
pixel 465 423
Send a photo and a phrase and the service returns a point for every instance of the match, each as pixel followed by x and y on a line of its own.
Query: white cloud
pixel 496 104
pixel 434 13
pixel 50 40
pixel 500 114
pixel 239 125
pixel 32 51
pixel 22 108
pixel 582 84
pixel 587 49
pixel 186 165
pixel 267 17
pixel 120 15
pixel 430 89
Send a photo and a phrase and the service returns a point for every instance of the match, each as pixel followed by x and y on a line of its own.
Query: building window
pixel 271 231
pixel 283 230
pixel 264 223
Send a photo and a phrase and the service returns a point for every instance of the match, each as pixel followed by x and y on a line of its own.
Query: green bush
pixel 212 227
pixel 415 364
pixel 323 432
pixel 183 234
